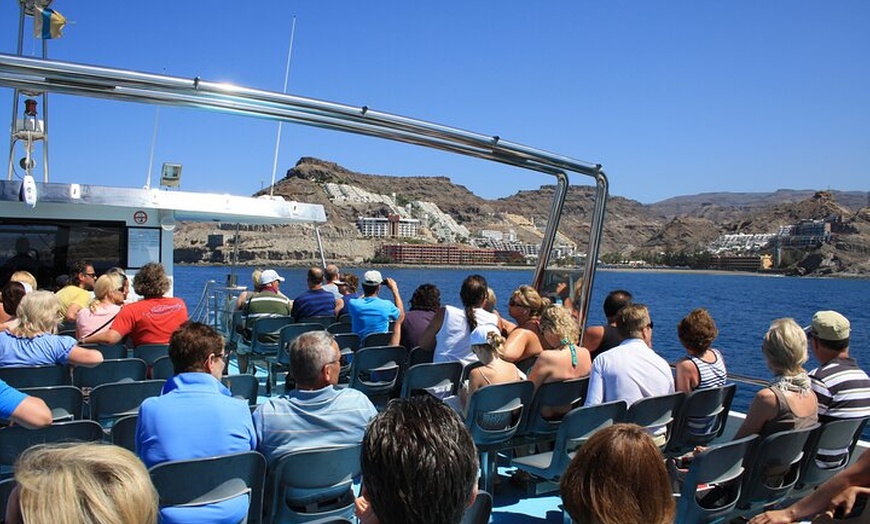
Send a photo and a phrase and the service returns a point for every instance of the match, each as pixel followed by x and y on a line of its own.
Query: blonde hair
pixel 38 312
pixel 494 347
pixel 631 320
pixel 785 346
pixel 24 277
pixel 78 483
pixel 528 297
pixel 559 320
pixel 255 277
pixel 108 283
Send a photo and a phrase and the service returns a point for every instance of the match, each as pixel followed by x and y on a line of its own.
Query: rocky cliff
pixel 682 224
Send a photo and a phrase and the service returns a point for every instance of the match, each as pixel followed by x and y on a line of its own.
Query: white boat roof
pixel 184 205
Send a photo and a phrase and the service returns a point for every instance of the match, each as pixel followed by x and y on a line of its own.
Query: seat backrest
pixel 702 417
pixel 109 351
pixel 65 402
pixel 313 483
pixel 162 368
pixel 112 401
pixel 323 321
pixel 339 327
pixel 829 450
pixel 124 432
pixel 720 467
pixel 377 371
pixel 349 341
pixel 35 376
pixel 494 412
pixel 265 334
pixel 551 401
pixel 480 511
pixel 243 386
pixel 151 352
pixel 774 467
pixel 441 378
pixel 217 479
pixel 656 412
pixel 108 371
pixel 15 439
pixel 421 355
pixel 288 334
pixel 377 339
pixel 6 487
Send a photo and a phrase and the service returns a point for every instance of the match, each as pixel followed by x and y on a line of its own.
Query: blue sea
pixel 743 305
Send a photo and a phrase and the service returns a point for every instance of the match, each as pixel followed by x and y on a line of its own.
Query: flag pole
pixel 280 124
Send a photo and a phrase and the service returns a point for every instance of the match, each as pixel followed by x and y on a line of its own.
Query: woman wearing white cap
pixel 488 345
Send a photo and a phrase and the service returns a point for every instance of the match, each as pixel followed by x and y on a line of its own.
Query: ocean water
pixel 742 305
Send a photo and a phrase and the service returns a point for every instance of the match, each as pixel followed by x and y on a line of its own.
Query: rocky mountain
pixel 681 224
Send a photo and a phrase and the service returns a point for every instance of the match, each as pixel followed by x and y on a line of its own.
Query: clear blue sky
pixel 675 97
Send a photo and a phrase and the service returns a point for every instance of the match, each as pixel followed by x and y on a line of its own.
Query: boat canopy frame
pixel 42 75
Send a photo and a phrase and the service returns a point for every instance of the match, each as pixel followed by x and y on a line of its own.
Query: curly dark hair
pixel 697 331
pixel 426 297
pixel 151 281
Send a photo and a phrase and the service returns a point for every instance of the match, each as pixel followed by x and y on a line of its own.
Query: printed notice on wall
pixel 143 246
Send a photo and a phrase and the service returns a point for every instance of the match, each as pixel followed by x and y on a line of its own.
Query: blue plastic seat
pixel 441 378
pixel 35 376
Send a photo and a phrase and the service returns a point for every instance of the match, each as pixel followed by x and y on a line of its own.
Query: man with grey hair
pixel 632 370
pixel 332 275
pixel 316 413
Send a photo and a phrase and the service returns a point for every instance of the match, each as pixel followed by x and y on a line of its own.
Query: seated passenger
pixel 316 413
pixel 195 417
pixel 425 301
pixel 488 346
pixel 81 484
pixel 151 320
pixel 788 401
pixel 12 294
pixel 524 340
pixel 618 477
pixel 450 330
pixel 601 338
pixel 316 301
pixel 565 360
pixel 371 313
pixel 98 316
pixel 418 465
pixel 34 343
pixel 704 367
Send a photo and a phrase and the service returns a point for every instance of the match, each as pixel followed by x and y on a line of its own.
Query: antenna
pixel 280 123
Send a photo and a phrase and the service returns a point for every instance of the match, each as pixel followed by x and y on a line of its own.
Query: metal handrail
pixel 119 84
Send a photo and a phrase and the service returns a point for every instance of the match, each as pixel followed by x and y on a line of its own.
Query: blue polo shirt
pixel 195 417
pixel 371 315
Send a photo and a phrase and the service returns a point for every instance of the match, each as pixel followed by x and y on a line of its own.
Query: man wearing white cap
pixel 372 314
pixel 842 388
pixel 267 302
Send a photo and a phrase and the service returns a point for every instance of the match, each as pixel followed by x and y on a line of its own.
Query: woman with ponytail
pixel 449 333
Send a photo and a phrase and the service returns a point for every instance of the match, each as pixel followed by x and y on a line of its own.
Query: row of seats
pixel 303 486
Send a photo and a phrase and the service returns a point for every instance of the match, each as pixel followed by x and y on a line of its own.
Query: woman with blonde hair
pixel 81 484
pixel 109 297
pixel 34 341
pixel 488 346
pixel 566 359
pixel 618 477
pixel 787 402
pixel 524 338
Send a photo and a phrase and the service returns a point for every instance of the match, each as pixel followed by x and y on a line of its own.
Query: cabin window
pixel 48 248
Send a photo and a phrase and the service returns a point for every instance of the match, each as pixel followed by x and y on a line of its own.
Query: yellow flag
pixel 47 23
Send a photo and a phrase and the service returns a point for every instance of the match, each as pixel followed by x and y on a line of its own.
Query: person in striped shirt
pixel 842 388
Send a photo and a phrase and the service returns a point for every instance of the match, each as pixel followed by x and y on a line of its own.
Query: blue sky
pixel 673 98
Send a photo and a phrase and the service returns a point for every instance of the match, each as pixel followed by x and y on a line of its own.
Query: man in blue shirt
pixel 372 314
pixel 196 417
pixel 316 302
pixel 315 414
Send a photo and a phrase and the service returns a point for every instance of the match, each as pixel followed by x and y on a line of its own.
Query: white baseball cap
pixel 269 276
